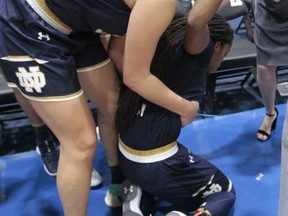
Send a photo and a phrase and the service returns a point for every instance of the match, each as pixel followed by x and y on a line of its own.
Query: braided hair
pixel 130 102
pixel 220 30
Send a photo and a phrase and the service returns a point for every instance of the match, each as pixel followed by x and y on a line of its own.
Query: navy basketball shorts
pixel 183 179
pixel 42 59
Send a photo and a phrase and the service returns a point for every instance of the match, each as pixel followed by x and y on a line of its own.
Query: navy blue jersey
pixel 187 76
pixel 147 133
pixel 110 16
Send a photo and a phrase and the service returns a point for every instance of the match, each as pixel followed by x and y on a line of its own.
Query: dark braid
pixel 166 47
pixel 220 30
pixel 130 102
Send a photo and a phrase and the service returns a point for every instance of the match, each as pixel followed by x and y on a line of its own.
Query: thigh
pixel 101 86
pixel 70 120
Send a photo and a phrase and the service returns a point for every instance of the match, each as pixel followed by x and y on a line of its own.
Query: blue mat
pixel 227 141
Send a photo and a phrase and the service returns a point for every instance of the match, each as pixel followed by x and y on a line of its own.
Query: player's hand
pixel 189 117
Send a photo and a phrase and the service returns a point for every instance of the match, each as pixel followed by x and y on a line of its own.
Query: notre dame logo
pixel 214 188
pixel 31 80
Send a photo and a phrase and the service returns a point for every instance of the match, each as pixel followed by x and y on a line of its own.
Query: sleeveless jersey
pixel 110 16
pixel 186 76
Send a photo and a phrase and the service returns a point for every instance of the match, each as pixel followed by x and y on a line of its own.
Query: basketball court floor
pixel 227 141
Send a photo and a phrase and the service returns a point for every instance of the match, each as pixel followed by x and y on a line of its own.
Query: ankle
pixel 116 175
pixel 274 113
pixel 271 115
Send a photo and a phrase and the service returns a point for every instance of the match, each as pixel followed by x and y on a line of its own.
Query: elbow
pixel 134 80
pixel 135 75
pixel 129 81
pixel 126 81
pixel 195 23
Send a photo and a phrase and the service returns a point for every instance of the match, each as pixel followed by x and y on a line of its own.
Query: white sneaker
pixel 175 213
pixel 113 196
pixel 96 180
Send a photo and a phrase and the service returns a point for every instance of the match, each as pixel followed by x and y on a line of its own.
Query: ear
pixel 217 46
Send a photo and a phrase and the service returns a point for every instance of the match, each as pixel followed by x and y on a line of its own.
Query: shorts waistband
pixel 40 7
pixel 148 156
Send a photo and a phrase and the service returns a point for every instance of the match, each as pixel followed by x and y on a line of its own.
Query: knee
pixel 265 72
pixel 87 142
pixel 81 147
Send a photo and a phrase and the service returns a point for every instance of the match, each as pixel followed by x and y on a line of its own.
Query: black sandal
pixel 273 127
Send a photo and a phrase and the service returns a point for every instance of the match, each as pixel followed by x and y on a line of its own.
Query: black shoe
pixel 273 127
pixel 49 153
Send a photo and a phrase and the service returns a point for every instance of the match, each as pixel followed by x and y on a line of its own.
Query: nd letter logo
pixel 31 80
